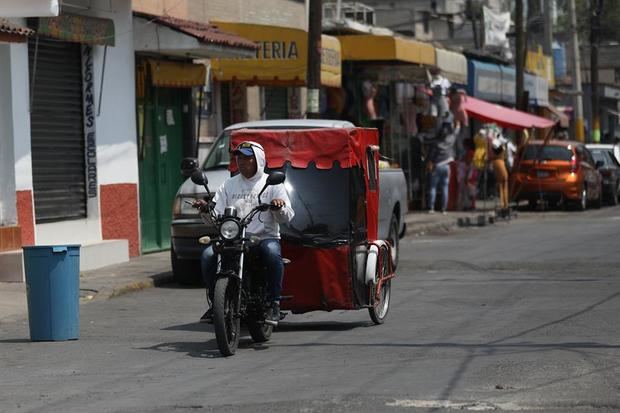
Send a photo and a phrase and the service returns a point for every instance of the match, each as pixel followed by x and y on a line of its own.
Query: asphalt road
pixel 518 316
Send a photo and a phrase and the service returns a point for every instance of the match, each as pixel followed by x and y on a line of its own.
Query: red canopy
pixel 302 146
pixel 503 116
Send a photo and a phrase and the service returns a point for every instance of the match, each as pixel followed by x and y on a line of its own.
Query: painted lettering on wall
pixel 277 50
pixel 88 78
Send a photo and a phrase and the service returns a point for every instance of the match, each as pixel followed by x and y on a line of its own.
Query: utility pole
pixel 577 101
pixel 519 54
pixel 548 28
pixel 596 7
pixel 314 58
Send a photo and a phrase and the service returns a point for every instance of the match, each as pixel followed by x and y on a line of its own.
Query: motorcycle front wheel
pixel 226 321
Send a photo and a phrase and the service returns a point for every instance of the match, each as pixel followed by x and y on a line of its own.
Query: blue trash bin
pixel 53 291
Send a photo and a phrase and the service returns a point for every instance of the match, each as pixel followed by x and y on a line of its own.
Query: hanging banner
pixel 496 25
pixel 88 76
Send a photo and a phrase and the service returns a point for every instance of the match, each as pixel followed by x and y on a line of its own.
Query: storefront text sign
pixel 89 121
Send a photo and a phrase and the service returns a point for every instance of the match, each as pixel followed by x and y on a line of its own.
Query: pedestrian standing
pixel 440 154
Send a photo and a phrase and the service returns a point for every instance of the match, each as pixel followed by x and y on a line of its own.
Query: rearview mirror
pixel 276 178
pixel 599 164
pixel 188 166
pixel 199 177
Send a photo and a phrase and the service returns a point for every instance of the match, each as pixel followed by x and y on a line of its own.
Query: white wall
pixel 117 154
pixel 21 116
pixel 8 212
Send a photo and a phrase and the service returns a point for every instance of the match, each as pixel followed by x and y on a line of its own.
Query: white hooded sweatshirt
pixel 242 193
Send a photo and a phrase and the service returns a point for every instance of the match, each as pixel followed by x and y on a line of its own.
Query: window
pixel 547 153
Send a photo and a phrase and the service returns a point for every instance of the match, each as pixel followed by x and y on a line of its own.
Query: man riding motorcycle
pixel 241 191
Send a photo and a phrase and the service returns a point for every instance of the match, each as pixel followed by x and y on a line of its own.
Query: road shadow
pixel 191 327
pixel 17 341
pixel 204 349
pixel 292 327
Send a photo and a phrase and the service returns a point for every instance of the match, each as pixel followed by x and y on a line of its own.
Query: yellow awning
pixel 176 74
pixel 368 47
pixel 281 58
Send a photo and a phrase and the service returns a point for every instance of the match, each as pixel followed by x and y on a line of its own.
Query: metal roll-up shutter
pixel 56 118
pixel 275 103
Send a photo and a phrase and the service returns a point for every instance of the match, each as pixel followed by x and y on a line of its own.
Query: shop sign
pixel 611 92
pixel 88 75
pixel 277 50
pixel 541 65
pixel 78 28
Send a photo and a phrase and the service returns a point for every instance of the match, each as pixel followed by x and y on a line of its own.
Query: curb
pixel 131 286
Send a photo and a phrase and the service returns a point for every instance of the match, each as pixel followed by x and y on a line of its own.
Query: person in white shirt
pixel 241 191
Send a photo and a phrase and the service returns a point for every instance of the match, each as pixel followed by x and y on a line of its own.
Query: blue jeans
pixel 439 177
pixel 270 254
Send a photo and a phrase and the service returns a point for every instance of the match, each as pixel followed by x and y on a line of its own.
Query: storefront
pixel 169 99
pixel 67 104
pixel 384 78
pixel 279 68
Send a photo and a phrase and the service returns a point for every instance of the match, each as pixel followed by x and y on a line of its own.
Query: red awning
pixel 503 116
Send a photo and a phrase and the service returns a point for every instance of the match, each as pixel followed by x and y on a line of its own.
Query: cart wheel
pixel 380 308
pixel 393 238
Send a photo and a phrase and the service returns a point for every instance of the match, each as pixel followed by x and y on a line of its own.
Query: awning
pixel 368 47
pixel 30 8
pixel 509 81
pixel 77 28
pixel 484 80
pixel 503 116
pixel 281 58
pixel 176 74
pixel 453 65
pixel 177 37
pixel 11 32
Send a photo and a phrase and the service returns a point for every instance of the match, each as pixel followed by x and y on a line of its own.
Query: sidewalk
pixel 152 270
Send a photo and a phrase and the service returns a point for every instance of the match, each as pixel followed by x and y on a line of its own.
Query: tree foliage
pixel 610 18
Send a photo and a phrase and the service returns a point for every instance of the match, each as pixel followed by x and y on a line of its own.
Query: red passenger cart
pixel 332 180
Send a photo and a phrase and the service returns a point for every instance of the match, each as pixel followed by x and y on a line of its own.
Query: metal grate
pixel 56 119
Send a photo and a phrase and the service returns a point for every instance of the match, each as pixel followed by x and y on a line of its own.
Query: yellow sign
pixel 281 57
pixel 541 65
pixel 176 74
pixel 367 47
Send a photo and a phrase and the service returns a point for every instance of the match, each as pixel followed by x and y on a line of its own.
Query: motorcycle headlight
pixel 229 229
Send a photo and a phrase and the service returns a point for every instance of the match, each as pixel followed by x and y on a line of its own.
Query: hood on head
pixel 259 154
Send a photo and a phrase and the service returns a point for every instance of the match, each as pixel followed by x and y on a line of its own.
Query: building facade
pixel 69 118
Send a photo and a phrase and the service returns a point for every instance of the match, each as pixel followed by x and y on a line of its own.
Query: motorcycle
pixel 241 292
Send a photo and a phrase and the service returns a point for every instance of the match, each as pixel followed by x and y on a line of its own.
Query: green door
pixel 161 153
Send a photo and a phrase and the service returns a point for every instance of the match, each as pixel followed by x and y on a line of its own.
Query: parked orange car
pixel 559 172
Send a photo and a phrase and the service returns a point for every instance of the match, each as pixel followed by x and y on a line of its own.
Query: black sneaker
pixel 273 315
pixel 207 317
